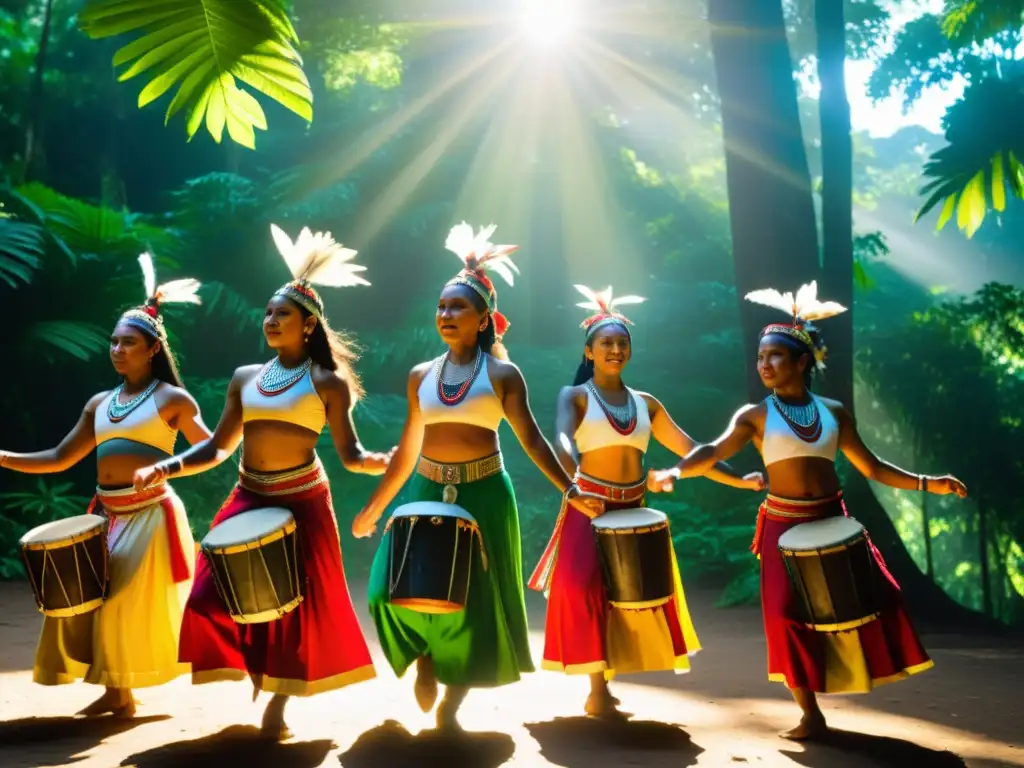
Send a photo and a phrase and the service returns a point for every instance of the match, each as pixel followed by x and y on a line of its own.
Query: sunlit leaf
pixel 202 48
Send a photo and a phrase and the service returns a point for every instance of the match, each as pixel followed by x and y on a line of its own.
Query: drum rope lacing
pixel 275 378
pixel 621 417
pixel 804 420
pixel 117 411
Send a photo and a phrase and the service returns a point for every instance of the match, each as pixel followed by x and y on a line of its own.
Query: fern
pixel 201 47
pixel 21 247
pixel 76 339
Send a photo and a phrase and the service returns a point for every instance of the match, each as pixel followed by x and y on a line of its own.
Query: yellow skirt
pixel 641 641
pixel 131 640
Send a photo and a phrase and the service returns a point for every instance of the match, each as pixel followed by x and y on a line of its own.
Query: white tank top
pixel 479 408
pixel 143 425
pixel 781 443
pixel 596 430
pixel 299 404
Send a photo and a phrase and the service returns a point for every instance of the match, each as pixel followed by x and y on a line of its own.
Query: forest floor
pixel 967 711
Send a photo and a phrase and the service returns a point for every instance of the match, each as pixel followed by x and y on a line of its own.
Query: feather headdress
pixel 803 309
pixel 147 316
pixel 480 256
pixel 315 258
pixel 604 305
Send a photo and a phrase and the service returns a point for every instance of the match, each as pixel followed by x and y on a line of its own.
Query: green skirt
pixel 487 644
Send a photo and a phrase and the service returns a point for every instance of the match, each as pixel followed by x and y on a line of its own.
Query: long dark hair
pixel 486 339
pixel 165 365
pixel 333 351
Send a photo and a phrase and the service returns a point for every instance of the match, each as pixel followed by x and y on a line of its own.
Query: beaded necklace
pixel 117 411
pixel 804 420
pixel 621 417
pixel 275 378
pixel 453 388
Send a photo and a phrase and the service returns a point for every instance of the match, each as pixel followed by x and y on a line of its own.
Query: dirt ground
pixel 968 711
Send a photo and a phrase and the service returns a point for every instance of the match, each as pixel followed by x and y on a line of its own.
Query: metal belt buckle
pixel 450 473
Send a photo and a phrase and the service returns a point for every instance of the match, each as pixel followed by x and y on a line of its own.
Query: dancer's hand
pixel 755 481
pixel 365 523
pixel 148 476
pixel 590 505
pixel 661 480
pixel 945 485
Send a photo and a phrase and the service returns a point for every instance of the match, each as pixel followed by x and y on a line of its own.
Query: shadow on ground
pixel 573 741
pixel 391 745
pixel 72 735
pixel 880 751
pixel 238 745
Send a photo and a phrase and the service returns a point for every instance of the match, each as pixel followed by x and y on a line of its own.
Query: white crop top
pixel 299 405
pixel 479 408
pixel 142 425
pixel 781 443
pixel 596 431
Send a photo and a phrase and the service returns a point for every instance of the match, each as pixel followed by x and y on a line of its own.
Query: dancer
pixel 279 410
pixel 131 640
pixel 798 435
pixel 604 428
pixel 456 404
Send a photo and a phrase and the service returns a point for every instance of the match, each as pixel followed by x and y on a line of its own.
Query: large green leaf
pixel 76 339
pixel 983 156
pixel 975 21
pixel 21 247
pixel 201 47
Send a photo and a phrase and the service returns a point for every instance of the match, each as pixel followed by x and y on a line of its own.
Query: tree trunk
pixel 774 234
pixel 35 99
pixel 836 198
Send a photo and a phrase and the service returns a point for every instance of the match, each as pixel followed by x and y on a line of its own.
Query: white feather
pixel 805 306
pixel 494 258
pixel 772 298
pixel 317 258
pixel 148 275
pixel 184 291
pixel 587 293
pixel 602 301
pixel 627 300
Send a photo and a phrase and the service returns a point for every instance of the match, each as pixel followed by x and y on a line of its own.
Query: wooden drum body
pixel 635 548
pixel 257 564
pixel 67 563
pixel 431 556
pixel 833 573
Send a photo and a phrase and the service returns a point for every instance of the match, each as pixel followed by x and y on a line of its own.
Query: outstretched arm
pixel 567 421
pixel 402 463
pixel 337 398
pixel 75 446
pixel 873 468
pixel 672 436
pixel 698 461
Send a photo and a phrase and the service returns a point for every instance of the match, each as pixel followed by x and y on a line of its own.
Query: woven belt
pixel 610 491
pixel 455 474
pixel 285 483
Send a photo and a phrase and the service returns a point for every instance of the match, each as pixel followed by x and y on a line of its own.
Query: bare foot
pixel 602 705
pixel 425 687
pixel 811 727
pixel 273 726
pixel 112 701
pixel 446 716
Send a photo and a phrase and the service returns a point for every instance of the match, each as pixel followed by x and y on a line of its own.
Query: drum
pixel 635 548
pixel 257 564
pixel 833 573
pixel 66 561
pixel 431 556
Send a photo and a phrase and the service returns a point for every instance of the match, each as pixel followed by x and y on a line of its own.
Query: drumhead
pixel 639 517
pixel 247 526
pixel 59 530
pixel 432 509
pixel 820 534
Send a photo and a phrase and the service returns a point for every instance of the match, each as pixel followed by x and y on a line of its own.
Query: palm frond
pixel 68 337
pixel 21 248
pixel 982 159
pixel 223 300
pixel 202 48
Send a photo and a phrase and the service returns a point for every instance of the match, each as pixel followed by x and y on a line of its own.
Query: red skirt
pixel 318 646
pixel 854 661
pixel 583 634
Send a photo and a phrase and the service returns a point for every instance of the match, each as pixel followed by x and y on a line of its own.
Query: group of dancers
pixel 163 616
